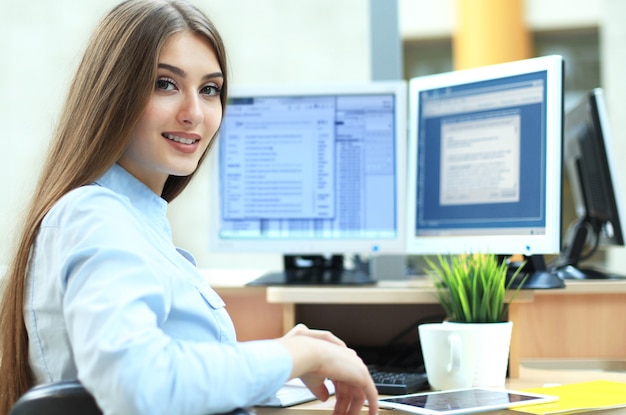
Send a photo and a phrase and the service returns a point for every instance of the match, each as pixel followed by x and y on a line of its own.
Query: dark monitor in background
pixel 590 166
pixel 484 163
pixel 312 172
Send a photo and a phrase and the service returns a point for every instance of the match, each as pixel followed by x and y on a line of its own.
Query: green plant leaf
pixel 471 287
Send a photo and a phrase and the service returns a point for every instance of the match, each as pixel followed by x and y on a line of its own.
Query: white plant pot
pixel 493 353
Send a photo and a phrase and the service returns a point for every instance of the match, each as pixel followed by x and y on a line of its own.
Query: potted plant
pixel 472 289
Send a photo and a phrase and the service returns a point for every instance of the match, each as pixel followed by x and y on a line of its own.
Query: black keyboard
pixel 398 381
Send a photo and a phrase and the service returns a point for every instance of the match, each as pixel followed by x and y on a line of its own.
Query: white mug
pixel 450 353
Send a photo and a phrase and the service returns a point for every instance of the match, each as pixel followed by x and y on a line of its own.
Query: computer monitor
pixel 590 167
pixel 312 172
pixel 484 163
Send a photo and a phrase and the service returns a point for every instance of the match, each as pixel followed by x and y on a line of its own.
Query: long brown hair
pixel 111 87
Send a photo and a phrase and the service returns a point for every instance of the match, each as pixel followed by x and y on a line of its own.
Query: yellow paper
pixel 579 397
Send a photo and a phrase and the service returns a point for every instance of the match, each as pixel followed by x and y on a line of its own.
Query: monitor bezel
pixel 549 243
pixel 294 246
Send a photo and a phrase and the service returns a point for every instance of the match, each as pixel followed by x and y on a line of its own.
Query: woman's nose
pixel 190 112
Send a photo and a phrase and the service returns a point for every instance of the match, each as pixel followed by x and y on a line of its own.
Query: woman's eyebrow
pixel 173 69
pixel 180 72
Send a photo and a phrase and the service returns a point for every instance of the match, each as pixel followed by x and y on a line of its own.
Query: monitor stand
pixel 316 270
pixel 534 275
pixel 568 267
pixel 570 272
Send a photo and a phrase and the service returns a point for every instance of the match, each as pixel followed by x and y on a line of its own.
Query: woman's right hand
pixel 319 355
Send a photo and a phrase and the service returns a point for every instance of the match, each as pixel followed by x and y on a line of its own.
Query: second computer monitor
pixel 590 163
pixel 311 169
pixel 484 161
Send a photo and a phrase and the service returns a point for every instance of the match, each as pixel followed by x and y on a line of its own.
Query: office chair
pixel 58 398
pixel 67 398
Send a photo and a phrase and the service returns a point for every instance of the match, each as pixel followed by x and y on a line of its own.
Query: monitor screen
pixel 311 169
pixel 484 161
pixel 590 167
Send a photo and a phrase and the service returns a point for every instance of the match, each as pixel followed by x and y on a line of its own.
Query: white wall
pixel 268 41
pixel 39 45
pixel 613 56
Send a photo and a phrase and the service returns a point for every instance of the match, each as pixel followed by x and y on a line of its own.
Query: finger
pixel 372 407
pixel 371 394
pixel 342 398
pixel 316 385
pixel 358 398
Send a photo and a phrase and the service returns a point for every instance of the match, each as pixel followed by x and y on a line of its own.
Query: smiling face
pixel 182 114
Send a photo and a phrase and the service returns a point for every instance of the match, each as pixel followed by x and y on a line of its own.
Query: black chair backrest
pixel 59 398
pixel 67 398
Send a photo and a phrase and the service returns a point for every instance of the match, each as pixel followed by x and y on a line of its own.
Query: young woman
pixel 97 291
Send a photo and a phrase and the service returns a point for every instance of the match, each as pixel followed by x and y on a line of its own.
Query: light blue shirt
pixel 111 301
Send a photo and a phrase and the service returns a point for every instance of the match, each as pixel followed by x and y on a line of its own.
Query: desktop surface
pixel 531 376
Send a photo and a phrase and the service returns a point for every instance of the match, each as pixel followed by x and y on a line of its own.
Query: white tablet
pixel 462 401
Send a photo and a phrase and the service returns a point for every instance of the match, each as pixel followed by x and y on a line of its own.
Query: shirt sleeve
pixel 116 299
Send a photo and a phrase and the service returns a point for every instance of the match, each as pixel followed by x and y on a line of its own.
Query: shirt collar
pixel 140 196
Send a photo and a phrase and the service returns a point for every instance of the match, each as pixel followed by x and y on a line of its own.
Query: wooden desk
pixel 529 378
pixel 586 320
pixel 414 291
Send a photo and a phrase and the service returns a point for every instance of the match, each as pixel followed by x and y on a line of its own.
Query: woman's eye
pixel 212 90
pixel 165 84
